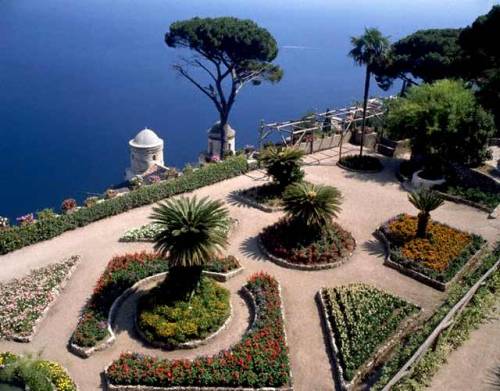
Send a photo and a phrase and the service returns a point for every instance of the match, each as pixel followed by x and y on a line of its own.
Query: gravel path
pixel 369 199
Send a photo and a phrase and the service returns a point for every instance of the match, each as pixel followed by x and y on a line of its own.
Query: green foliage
pixel 362 318
pixel 283 165
pixel 46 214
pixel 17 237
pixel 313 206
pixel 164 318
pixel 369 48
pixel 192 230
pixel 425 201
pixel 474 194
pixel 413 341
pixel 24 371
pixel 428 55
pixel 442 119
pixel 362 163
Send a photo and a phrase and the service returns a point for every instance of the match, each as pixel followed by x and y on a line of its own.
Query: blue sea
pixel 78 79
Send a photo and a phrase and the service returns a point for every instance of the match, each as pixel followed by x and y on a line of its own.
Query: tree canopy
pixel 444 120
pixel 232 52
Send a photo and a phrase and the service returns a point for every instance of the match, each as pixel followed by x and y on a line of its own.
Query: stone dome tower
pixel 146 149
pixel 215 139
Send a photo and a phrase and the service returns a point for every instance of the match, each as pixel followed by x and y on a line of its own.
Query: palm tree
pixel 312 206
pixel 425 201
pixel 193 232
pixel 368 49
pixel 283 165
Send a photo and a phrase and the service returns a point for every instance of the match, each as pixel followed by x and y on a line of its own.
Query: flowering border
pixel 57 290
pixel 249 296
pixel 409 324
pixel 86 352
pixel 298 266
pixel 442 286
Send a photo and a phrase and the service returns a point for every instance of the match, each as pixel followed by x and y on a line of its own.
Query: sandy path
pixel 368 201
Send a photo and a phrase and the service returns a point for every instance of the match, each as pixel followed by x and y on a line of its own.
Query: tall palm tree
pixel 313 206
pixel 193 232
pixel 368 49
pixel 425 201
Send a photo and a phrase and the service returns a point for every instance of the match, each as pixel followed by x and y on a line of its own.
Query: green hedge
pixel 17 237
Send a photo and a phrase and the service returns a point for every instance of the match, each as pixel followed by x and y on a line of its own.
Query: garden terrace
pixel 436 259
pixel 368 201
pixel 362 324
pixel 259 360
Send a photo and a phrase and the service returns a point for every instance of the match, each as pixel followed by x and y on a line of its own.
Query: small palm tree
pixel 312 205
pixel 368 49
pixel 193 232
pixel 283 165
pixel 425 201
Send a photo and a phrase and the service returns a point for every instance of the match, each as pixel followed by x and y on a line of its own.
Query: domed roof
pixel 215 131
pixel 146 138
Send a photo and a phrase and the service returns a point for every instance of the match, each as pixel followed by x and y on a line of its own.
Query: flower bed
pixel 121 273
pixel 37 374
pixel 265 197
pixel 363 324
pixel 439 257
pixel 17 237
pixel 93 331
pixel 286 242
pixel 25 301
pixel 168 322
pixel 361 163
pixel 474 195
pixel 259 360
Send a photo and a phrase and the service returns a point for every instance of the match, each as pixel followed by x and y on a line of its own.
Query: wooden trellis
pixel 337 121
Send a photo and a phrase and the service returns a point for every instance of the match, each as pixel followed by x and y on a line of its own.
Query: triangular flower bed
pixel 363 323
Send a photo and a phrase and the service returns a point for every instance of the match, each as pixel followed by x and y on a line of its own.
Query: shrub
pixel 18 237
pixel 260 359
pixel 135 182
pixel 68 205
pixel 46 214
pixel 362 163
pixel 4 222
pixel 222 264
pixel 283 165
pixel 110 194
pixel 153 179
pixel 26 220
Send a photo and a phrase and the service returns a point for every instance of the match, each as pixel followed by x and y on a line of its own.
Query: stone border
pixel 251 300
pixel 223 277
pixel 289 265
pixel 442 286
pixel 251 202
pixel 376 358
pixel 86 352
pixel 57 290
pixel 185 345
pixel 359 171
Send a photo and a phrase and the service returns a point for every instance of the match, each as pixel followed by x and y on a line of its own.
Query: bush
pixel 164 318
pixel 17 237
pixel 68 205
pixel 223 264
pixel 46 214
pixel 90 201
pixel 362 163
pixel 474 194
pixel 283 165
pixel 260 359
pixel 110 194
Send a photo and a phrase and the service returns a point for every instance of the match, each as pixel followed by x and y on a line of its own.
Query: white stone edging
pixel 56 291
pixel 297 266
pixel 251 299
pixel 86 352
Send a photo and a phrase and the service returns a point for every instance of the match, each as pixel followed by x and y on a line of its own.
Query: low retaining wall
pixel 56 292
pixel 86 352
pixel 380 354
pixel 296 266
pixel 251 300
pixel 442 286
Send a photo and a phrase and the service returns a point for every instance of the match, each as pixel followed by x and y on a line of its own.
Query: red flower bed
pixel 287 241
pixel 260 359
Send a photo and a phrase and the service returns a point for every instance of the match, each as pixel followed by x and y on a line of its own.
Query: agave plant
pixel 283 165
pixel 312 205
pixel 191 233
pixel 425 201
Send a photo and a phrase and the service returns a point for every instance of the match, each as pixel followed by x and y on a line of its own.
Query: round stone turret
pixel 215 139
pixel 146 149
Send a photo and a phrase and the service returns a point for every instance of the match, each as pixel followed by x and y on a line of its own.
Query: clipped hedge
pixel 20 236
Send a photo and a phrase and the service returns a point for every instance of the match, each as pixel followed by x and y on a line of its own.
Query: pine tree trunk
pixel 223 135
pixel 365 103
pixel 423 221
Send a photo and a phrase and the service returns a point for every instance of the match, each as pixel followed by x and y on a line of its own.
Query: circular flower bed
pixel 288 241
pixel 361 163
pixel 163 319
